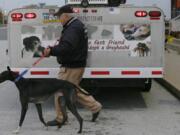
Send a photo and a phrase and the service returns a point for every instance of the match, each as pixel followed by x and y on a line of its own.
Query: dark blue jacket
pixel 73 45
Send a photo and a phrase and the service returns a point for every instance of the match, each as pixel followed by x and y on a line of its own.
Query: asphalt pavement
pixel 125 112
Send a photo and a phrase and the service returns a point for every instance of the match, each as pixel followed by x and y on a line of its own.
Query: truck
pixel 125 46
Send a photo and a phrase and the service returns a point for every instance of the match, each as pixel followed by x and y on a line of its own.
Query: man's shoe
pixel 53 123
pixel 95 116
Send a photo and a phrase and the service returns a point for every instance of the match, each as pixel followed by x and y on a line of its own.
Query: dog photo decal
pixel 135 31
pixel 31 46
pixel 142 49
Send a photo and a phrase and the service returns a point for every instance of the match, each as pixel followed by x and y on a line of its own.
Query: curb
pixel 174 91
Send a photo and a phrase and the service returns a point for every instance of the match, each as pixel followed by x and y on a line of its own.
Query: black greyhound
pixel 37 91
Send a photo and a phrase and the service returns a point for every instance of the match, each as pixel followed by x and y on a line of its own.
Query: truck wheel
pixel 147 85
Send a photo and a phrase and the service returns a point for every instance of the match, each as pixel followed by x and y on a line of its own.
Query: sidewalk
pixel 172 68
pixel 171 78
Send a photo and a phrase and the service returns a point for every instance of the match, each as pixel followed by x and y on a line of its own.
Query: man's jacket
pixel 73 45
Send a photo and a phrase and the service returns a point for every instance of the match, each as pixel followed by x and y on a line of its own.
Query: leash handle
pixel 38 60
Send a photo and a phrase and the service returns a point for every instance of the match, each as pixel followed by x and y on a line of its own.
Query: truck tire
pixel 147 85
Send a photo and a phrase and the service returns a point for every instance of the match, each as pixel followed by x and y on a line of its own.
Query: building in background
pixel 175 8
pixel 3 17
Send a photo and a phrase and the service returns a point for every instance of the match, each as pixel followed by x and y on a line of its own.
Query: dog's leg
pixel 62 102
pixel 143 54
pixel 72 107
pixel 17 131
pixel 39 110
pixel 23 113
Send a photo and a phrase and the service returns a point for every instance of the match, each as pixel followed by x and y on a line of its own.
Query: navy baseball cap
pixel 64 9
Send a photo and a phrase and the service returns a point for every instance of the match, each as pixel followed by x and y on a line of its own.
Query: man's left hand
pixel 46 52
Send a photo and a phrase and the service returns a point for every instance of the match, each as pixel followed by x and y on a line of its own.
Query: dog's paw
pixel 16 131
pixel 46 127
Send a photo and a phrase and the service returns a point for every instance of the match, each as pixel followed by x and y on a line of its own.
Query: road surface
pixel 125 112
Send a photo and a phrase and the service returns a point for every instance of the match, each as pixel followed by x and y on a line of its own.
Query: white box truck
pixel 126 43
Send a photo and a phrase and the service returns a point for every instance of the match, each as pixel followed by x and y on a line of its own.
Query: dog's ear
pixel 8 68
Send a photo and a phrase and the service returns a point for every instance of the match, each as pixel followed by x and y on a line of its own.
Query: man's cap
pixel 64 9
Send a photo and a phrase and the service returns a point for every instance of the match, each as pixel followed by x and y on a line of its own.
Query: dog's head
pixel 8 75
pixel 142 31
pixel 31 43
pixel 142 47
pixel 127 28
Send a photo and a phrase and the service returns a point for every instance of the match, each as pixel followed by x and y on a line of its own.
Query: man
pixel 71 53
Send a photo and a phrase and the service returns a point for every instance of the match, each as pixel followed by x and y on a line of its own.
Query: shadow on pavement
pixel 116 98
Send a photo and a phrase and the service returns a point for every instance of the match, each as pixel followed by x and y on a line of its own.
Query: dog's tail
pixel 82 90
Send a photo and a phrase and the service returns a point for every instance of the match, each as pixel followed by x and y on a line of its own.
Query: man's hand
pixel 46 52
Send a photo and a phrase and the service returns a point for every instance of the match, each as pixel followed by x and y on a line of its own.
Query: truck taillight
pixel 17 16
pixel 154 13
pixel 140 13
pixel 76 10
pixel 94 11
pixel 30 15
pixel 85 11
